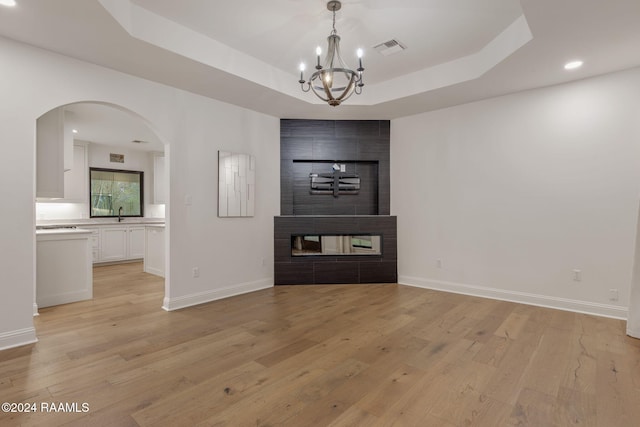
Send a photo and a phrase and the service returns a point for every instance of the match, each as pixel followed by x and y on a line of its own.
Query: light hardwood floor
pixel 360 355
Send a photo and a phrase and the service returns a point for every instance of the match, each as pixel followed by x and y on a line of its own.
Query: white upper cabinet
pixel 158 179
pixel 76 180
pixel 54 153
pixel 67 143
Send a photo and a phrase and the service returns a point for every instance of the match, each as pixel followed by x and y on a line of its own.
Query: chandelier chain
pixel 334 21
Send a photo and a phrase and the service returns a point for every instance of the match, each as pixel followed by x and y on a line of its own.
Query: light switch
pixel 188 200
pixel 343 168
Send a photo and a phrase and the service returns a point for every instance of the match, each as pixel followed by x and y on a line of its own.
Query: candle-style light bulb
pixel 360 52
pixel 302 68
pixel 318 53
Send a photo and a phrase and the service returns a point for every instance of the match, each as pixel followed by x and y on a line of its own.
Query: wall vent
pixel 390 47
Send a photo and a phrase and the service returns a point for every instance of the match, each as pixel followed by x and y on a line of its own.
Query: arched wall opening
pixel 106 127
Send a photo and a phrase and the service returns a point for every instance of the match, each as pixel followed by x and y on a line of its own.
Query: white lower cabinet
pixel 154 250
pixel 63 267
pixel 117 242
pixel 120 243
pixel 95 242
pixel 113 244
pixel 136 242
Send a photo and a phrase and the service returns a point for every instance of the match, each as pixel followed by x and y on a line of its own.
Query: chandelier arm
pixel 327 90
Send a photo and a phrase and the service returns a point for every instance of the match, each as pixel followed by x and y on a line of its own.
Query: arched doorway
pixel 105 136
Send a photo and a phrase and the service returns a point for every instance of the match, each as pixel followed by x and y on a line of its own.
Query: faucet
pixel 120 214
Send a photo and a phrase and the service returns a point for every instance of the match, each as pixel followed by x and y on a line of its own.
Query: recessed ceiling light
pixel 573 65
pixel 74 130
pixel 8 2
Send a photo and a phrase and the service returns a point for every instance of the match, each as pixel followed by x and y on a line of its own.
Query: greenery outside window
pixel 116 193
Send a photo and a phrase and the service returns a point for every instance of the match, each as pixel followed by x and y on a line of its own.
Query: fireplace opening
pixel 336 244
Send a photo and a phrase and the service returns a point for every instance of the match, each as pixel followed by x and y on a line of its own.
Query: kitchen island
pixel 64 270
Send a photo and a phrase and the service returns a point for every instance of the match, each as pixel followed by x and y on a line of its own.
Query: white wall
pixel 234 255
pixel 513 193
pixel 135 160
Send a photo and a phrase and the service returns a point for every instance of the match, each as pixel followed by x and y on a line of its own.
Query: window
pixel 116 193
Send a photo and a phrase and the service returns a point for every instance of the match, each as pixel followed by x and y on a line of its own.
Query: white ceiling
pixel 246 52
pixel 104 124
pixel 282 33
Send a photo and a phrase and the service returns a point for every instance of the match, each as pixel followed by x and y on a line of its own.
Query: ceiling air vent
pixel 139 141
pixel 390 47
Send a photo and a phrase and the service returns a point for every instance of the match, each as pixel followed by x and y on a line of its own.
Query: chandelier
pixel 334 82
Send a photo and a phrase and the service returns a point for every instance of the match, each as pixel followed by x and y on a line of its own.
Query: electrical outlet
pixel 613 295
pixel 196 272
pixel 577 275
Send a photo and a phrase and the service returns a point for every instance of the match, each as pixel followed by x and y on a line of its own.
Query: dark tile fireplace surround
pixel 361 149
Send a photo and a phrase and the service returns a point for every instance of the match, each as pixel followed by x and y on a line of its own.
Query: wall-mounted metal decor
pixel 236 184
pixel 334 183
pixel 337 182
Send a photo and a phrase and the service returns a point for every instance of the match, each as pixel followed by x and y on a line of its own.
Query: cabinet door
pixel 136 242
pixel 76 179
pixel 113 244
pixel 50 154
pixel 95 242
pixel 154 253
pixel 158 179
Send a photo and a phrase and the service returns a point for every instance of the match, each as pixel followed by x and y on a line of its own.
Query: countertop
pixel 60 231
pixel 98 221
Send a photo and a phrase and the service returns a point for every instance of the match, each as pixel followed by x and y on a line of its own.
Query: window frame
pixel 131 172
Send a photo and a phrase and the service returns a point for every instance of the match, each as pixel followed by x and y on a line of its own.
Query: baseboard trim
pixel 633 332
pixel 65 298
pixel 170 304
pixel 17 338
pixel 586 307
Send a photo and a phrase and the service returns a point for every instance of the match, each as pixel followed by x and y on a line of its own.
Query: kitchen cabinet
pixel 136 242
pixel 76 180
pixel 120 243
pixel 63 266
pixel 113 244
pixel 158 179
pixel 154 250
pixel 54 153
pixel 113 241
pixel 95 242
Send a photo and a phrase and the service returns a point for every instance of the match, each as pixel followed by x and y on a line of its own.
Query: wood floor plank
pixel 337 355
pixel 551 356
pixel 618 402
